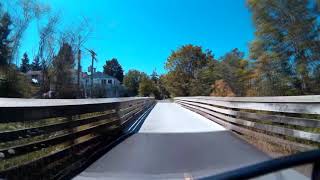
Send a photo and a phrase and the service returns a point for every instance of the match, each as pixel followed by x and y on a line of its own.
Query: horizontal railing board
pixel 130 108
pixel 265 127
pixel 35 167
pixel 12 135
pixel 35 114
pixel 304 122
pixel 126 108
pixel 72 144
pixel 312 123
pixel 265 137
pixel 86 157
pixel 138 113
pixel 124 105
pixel 16 134
pixel 20 102
pixel 134 110
pixel 132 115
pixel 310 108
pixel 63 120
pixel 26 113
pixel 25 148
pixel 211 107
pixel 265 99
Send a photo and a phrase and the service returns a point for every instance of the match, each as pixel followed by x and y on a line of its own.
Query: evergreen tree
pixel 155 77
pixel 235 72
pixel 25 66
pixel 113 68
pixel 36 65
pixel 63 65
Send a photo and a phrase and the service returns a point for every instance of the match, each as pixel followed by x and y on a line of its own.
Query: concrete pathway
pixel 172 118
pixel 175 143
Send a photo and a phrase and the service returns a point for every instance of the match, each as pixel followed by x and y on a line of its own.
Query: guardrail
pixel 42 139
pixel 291 122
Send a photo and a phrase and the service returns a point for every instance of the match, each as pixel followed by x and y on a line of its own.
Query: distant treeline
pixel 284 57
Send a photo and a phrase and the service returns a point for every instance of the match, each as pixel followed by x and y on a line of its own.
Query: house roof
pixel 100 75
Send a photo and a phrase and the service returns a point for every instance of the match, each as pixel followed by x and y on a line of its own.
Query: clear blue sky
pixel 142 33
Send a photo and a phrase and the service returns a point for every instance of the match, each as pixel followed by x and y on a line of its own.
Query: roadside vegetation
pixel 284 57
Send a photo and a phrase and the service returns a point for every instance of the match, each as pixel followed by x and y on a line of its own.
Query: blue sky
pixel 142 33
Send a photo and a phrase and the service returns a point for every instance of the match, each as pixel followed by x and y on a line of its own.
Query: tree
pixel 5 43
pixel 287 46
pixel 158 86
pixel 147 87
pixel 132 80
pixel 26 12
pixel 201 85
pixel 221 88
pixel 113 68
pixel 36 65
pixel 12 83
pixel 63 65
pixel 46 50
pixel 155 77
pixel 25 66
pixel 234 70
pixel 164 93
pixel 185 66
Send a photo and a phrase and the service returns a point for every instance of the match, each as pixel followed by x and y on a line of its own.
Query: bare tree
pixel 23 12
pixel 47 46
pixel 77 36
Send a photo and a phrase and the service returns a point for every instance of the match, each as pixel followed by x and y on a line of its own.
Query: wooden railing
pixel 47 139
pixel 291 122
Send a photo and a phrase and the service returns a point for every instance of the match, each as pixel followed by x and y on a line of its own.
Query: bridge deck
pixel 175 143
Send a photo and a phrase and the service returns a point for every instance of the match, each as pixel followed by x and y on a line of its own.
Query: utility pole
pixel 79 68
pixel 93 57
pixel 79 63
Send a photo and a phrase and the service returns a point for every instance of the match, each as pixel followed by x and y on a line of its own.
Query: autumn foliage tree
pixel 184 68
pixel 286 48
pixel 147 87
pixel 132 80
pixel 235 71
pixel 284 57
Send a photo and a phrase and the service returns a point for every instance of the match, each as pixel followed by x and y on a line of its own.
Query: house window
pixel 110 81
pixel 103 82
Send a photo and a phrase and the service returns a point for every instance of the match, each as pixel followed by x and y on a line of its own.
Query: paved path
pixel 172 118
pixel 176 143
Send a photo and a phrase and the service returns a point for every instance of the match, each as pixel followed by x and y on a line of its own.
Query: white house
pixel 35 76
pixel 103 85
pixel 110 85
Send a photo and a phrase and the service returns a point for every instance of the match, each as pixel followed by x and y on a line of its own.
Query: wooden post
pixel 79 68
pixel 91 89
